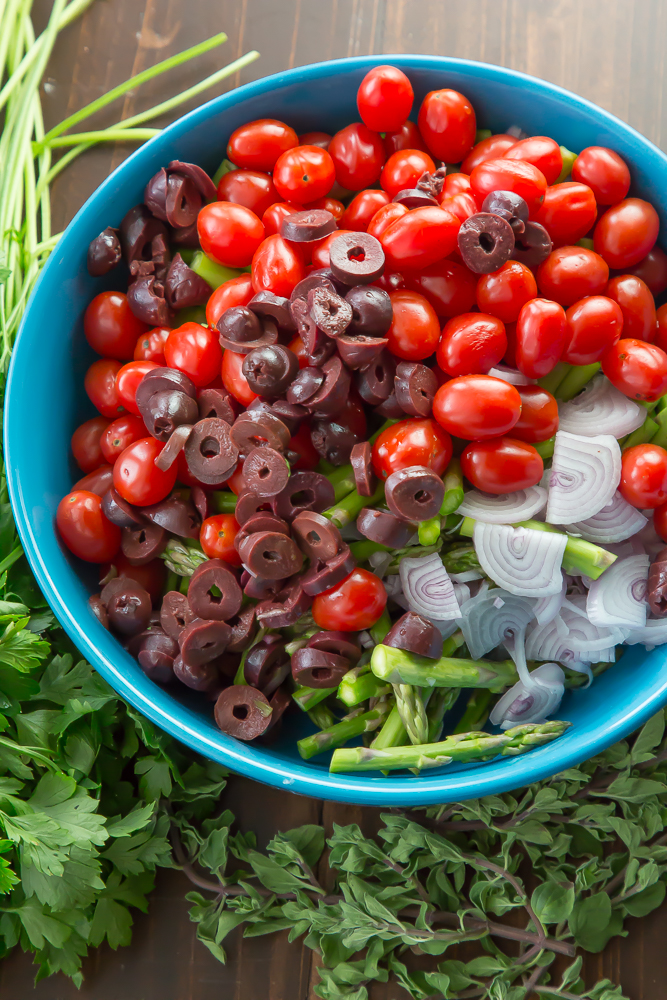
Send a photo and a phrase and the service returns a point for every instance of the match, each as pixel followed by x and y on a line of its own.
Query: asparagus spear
pixel 463 747
pixel 307 698
pixel 476 712
pixel 182 559
pixel 322 716
pixel 347 729
pixel 359 684
pixel 410 705
pixel 440 702
pixel 643 434
pixel 365 548
pixel 223 501
pixel 551 381
pixel 576 379
pixel 348 508
pixel 568 162
pixel 342 480
pixel 379 630
pixel 212 273
pixel 429 531
pixel 545 449
pixel 396 666
pixel 453 482
pixel 393 732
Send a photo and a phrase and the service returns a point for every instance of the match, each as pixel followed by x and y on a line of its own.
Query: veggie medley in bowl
pixel 392 431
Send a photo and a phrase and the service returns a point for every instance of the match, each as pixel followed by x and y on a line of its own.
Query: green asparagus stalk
pixel 225 168
pixel 576 380
pixel 396 666
pixel 347 729
pixel 193 314
pixel 307 698
pixel 568 162
pixel 224 502
pixel 440 702
pixel 476 711
pixel 182 559
pixel 362 550
pixel 172 582
pixel 349 507
pixel 322 716
pixel 545 449
pixel 342 480
pixel 212 273
pixel 453 482
pixel 482 133
pixel 463 747
pixel 412 712
pixel 429 531
pixel 381 627
pixel 586 242
pixel 393 732
pixel 461 558
pixel 643 434
pixel 551 381
pixel 360 684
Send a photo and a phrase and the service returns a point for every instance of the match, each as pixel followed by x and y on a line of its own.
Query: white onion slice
pixel 600 409
pixel 507 508
pixel 511 375
pixel 490 617
pixel 654 633
pixel 524 561
pixel 618 596
pixel 546 608
pixel 531 703
pixel 585 473
pixel 427 587
pixel 615 522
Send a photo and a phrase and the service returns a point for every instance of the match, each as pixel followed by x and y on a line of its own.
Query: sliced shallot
pixel 507 508
pixel 585 473
pixel 427 587
pixel 616 521
pixel 618 596
pixel 600 409
pixel 522 560
pixel 531 703
pixel 490 617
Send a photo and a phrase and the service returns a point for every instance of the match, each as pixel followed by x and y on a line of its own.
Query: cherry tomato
pixel 100 384
pixel 503 293
pixel 539 414
pixel 151 576
pixel 234 380
pixel 462 205
pixel 626 232
pixel 471 344
pixel 119 434
pixel 358 156
pixel 235 292
pixel 420 238
pixel 137 477
pixel 570 273
pixel 384 217
pixel 86 446
pixel 491 148
pixel 251 188
pixel 509 175
pixel 448 286
pixel 273 217
pixel 99 481
pixel 216 538
pixel 637 369
pixel 455 184
pixel 502 465
pixel 567 213
pixel 337 208
pixel 303 174
pixel 229 234
pixel 660 521
pixel 407 137
pixel 605 173
pixel 637 305
pixel 539 337
pixel 258 144
pixel 384 98
pixel 661 327
pixel 412 442
pixel 320 255
pixel 415 330
pixel 127 382
pixel 361 210
pixel 84 529
pixel 321 139
pixel 150 345
pixel 594 324
pixel 302 444
pixel 447 123
pixel 653 270
pixel 354 604
pixel 474 407
pixel 644 476
pixel 403 169
pixel 110 326
pixel 194 350
pixel 277 267
pixel 543 152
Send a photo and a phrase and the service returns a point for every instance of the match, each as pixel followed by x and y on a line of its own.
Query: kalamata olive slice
pixel 358 351
pixel 214 592
pixel 248 504
pixel 155 194
pixel 291 414
pixel 331 312
pixel 98 609
pixel 99 481
pixel 175 515
pixel 305 385
pixel 333 439
pixel 324 575
pixel 318 668
pixel 656 587
pixel 390 408
pixel 307 226
pixel 384 528
pixel 261 589
pixel 216 403
pixel 271 555
pixel 265 472
pixel 242 712
pixel 533 245
pixel 275 307
pixel 372 312
pixel 318 346
pixel 356 258
pixel 415 386
pixel 244 627
pixel 160 380
pixel 239 324
pixel 292 602
pixel 183 287
pixel 156 652
pixel 260 522
pixel 485 242
pixel 415 494
pixel 175 613
pixel 337 642
pixel 104 253
pixel 186 236
pixel 332 396
pixel 375 383
pixel 203 641
pixel 173 447
pixel 415 634
pixel 113 587
pixel 202 502
pixel 321 278
pixel 129 609
pixel 199 677
pixel 365 479
pixel 260 660
pixel 304 491
pixel 183 202
pixel 415 198
pixel 317 537
pixel 269 370
pixel 279 702
pixel 267 338
pixel 142 544
pixel 210 452
pixel 197 175
pixel 510 207
pixel 137 230
pixel 145 297
pixel 166 410
pixel 264 429
pixel 119 511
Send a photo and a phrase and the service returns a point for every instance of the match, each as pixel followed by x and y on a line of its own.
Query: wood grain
pixel 611 52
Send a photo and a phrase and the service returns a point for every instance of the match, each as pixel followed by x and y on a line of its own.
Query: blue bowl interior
pixel 46 401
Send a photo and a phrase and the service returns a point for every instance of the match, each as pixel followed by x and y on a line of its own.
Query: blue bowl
pixel 45 401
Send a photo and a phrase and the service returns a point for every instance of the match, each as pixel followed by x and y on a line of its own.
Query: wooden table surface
pixel 609 51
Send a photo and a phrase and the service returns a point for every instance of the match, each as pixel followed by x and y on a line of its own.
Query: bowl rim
pixel 296 776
